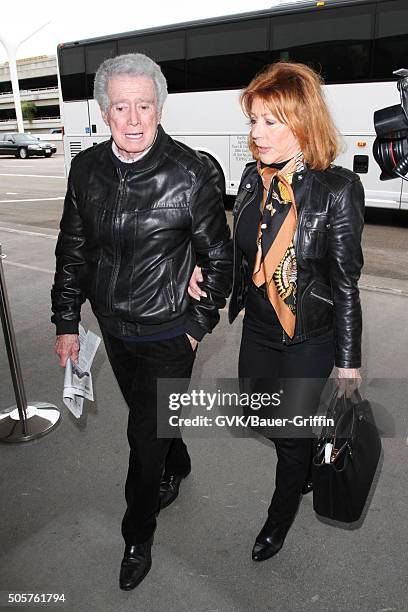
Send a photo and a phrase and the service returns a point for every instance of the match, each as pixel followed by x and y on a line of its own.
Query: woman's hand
pixel 348 380
pixel 194 290
pixel 67 347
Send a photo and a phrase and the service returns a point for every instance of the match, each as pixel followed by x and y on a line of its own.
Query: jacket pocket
pixel 314 236
pixel 321 297
pixel 317 306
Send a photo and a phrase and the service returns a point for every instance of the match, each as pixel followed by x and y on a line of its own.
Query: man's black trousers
pixel 137 366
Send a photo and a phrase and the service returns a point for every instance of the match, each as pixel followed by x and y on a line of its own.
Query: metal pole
pixel 22 422
pixel 11 50
pixel 11 348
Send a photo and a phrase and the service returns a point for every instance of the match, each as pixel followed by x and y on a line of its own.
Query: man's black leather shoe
pixel 169 488
pixel 270 539
pixel 136 564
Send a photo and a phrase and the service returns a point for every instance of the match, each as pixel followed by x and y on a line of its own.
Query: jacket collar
pixel 152 159
pixel 252 182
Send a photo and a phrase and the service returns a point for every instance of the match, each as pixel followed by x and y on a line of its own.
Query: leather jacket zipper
pixel 116 257
pixel 171 285
pixel 319 297
pixel 235 230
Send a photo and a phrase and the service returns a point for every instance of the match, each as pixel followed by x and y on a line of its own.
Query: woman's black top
pixel 259 312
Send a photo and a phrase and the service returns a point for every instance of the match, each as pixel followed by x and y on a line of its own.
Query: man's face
pixel 132 115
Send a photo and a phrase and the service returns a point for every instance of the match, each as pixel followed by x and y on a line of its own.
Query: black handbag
pixel 341 486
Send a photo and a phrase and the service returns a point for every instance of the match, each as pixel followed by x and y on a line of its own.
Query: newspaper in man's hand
pixel 78 377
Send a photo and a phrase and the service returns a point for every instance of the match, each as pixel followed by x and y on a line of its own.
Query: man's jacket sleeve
pixel 213 248
pixel 66 294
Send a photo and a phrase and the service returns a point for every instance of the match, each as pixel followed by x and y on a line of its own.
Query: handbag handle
pixel 345 401
pixel 348 405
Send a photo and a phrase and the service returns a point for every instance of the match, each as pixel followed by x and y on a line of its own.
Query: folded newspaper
pixel 78 377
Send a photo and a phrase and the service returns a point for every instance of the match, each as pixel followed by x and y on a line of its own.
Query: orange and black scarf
pixel 275 263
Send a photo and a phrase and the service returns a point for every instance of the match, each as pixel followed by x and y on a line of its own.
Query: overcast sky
pixel 76 19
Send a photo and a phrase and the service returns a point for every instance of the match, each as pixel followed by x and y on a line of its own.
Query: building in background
pixel 38 81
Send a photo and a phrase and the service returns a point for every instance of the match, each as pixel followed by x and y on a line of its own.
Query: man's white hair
pixel 133 64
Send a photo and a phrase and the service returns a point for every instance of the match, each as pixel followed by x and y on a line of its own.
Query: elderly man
pixel 141 209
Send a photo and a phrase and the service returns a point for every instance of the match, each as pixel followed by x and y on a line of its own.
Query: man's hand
pixel 67 347
pixel 193 341
pixel 194 290
pixel 348 380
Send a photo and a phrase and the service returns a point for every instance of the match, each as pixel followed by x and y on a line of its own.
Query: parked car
pixel 56 130
pixel 25 145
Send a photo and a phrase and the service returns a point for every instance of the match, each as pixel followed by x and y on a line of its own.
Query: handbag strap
pixel 348 405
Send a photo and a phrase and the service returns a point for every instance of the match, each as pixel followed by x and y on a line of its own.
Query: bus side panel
pixel 211 121
pixel 357 153
pixel 97 125
pixel 204 112
pixel 76 128
pixel 214 123
pixel 215 146
pixel 76 118
pixel 404 197
pixel 352 107
pixel 239 155
pixel 78 135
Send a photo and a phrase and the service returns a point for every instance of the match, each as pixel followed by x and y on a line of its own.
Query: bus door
pixel 98 130
pixel 76 129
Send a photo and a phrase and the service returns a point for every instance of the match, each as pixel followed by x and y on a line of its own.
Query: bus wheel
pixel 22 153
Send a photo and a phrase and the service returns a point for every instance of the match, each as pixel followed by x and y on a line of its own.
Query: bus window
pixel 95 54
pixel 391 39
pixel 165 48
pixel 71 62
pixel 335 42
pixel 226 55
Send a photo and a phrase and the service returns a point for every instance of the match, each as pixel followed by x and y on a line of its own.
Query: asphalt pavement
pixel 62 495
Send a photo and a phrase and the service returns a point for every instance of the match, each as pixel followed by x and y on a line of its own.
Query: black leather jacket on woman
pixel 129 242
pixel 328 253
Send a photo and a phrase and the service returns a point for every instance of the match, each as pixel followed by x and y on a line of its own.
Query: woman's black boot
pixel 270 539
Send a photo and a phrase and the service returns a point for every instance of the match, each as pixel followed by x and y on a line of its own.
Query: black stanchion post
pixel 22 422
pixel 11 348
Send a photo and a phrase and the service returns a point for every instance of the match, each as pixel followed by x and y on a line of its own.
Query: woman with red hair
pixel 298 221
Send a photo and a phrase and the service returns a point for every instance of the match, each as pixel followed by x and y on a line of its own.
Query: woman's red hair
pixel 293 93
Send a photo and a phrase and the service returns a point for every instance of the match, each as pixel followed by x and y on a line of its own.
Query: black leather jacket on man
pixel 129 243
pixel 328 253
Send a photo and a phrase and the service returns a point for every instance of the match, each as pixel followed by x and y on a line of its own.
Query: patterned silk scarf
pixel 275 263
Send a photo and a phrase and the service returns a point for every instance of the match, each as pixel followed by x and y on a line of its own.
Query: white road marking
pixel 383 289
pixel 32 200
pixel 11 192
pixel 35 268
pixel 12 230
pixel 58 176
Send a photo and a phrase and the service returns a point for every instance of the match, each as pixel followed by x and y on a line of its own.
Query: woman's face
pixel 274 140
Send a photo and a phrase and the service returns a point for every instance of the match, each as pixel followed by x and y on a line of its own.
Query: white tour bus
pixel 355 45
